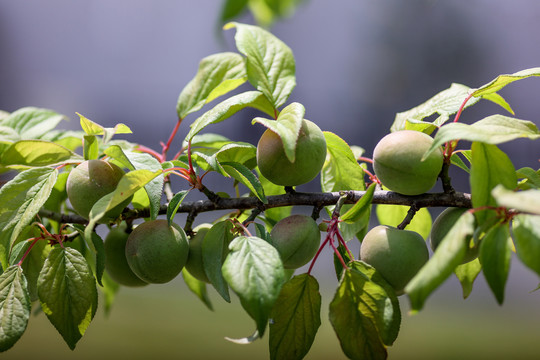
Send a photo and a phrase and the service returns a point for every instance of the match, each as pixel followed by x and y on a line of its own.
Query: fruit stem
pixel 318 253
pixel 34 241
pixel 365 159
pixel 165 147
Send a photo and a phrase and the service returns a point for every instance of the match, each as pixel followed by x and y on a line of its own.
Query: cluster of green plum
pixel 156 252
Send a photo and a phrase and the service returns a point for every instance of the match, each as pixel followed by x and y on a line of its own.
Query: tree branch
pixel 455 199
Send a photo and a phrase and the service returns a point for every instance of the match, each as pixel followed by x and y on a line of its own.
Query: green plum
pixel 297 239
pixel 397 161
pixel 441 227
pixel 157 252
pixel 310 156
pixel 194 264
pixel 396 254
pixel 115 258
pixel 90 181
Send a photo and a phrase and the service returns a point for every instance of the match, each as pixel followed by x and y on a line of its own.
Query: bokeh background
pixel 358 63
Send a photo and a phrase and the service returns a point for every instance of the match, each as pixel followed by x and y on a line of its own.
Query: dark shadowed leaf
pixel 198 288
pixel 295 318
pixel 495 253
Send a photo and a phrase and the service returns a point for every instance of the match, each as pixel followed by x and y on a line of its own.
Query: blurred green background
pixel 167 321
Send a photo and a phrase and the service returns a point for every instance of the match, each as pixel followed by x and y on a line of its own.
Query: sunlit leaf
pixel 14 306
pixel 445 259
pixel 67 293
pixel 20 201
pixel 217 75
pixel 269 62
pixel 253 269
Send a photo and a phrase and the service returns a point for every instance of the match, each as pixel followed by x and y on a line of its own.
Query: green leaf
pixel 229 107
pixel 215 244
pixel 253 269
pixel 31 122
pixel 217 75
pixel 15 306
pixel 466 274
pixel 502 80
pixel 495 129
pixel 90 147
pixel 92 128
pixel 531 178
pixel 495 254
pixel 197 287
pixel 364 313
pixel 295 318
pixel 128 185
pixel 37 153
pixel 341 171
pixel 20 201
pixel 445 259
pixel 99 250
pixel 174 204
pixel 67 293
pixel 393 215
pixel 154 188
pixel 232 9
pixel 445 103
pixel 456 160
pixel 210 159
pixel 287 127
pixel 243 175
pixel 526 200
pixel 526 231
pixel 362 208
pixel 489 168
pixel 269 62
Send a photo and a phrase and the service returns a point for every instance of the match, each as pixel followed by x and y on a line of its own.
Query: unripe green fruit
pixel 115 258
pixel 194 264
pixel 157 252
pixel 310 156
pixel 397 161
pixel 442 225
pixel 90 181
pixel 396 254
pixel 297 239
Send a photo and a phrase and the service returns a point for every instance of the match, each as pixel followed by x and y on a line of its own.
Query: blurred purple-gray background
pixel 358 63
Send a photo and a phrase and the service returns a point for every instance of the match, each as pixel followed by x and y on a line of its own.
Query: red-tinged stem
pixel 318 253
pixel 166 147
pixel 275 114
pixel 189 158
pixel 34 241
pixel 365 159
pixel 147 150
pixel 448 147
pixel 342 242
pixel 458 114
pixel 336 251
pixel 371 176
